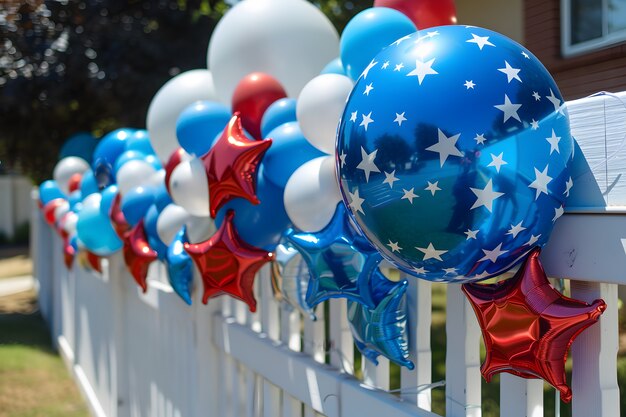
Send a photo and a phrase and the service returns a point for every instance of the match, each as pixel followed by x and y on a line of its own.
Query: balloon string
pixel 623 141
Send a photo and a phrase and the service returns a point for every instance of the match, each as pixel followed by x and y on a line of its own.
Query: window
pixel 591 24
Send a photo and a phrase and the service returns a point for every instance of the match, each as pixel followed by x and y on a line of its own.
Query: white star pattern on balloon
pixel 471 234
pixel 509 109
pixel 385 65
pixel 433 187
pixel 485 197
pixel 536 96
pixel 542 179
pixel 497 161
pixel 368 89
pixel 402 39
pixel 342 158
pixel 450 271
pixel 445 146
pixel 532 240
pixel 480 139
pixel 353 116
pixel 422 69
pixel 556 102
pixel 514 230
pixel 367 163
pixel 394 246
pixel 493 255
pixel 356 202
pixel 481 41
pixel 558 212
pixel 511 73
pixel 534 125
pixel 409 195
pixel 366 71
pixel 525 55
pixel 568 186
pixel 431 253
pixel 469 84
pixel 390 178
pixel 367 119
pixel 420 271
pixel 399 67
pixel 554 142
pixel 400 118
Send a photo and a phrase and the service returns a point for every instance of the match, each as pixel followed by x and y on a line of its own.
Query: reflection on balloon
pixel 180 267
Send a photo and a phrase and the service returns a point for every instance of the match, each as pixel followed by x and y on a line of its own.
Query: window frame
pixel 608 39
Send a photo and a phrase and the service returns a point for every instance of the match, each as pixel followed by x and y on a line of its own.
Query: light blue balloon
pixel 48 191
pixel 154 161
pixel 81 145
pixel 108 196
pixel 150 227
pixel 288 152
pixel 199 123
pixel 180 267
pixel 279 112
pixel 259 225
pixel 94 229
pixel 74 198
pixel 161 197
pixel 334 67
pixel 88 184
pixel 128 156
pixel 139 141
pixel 136 202
pixel 368 33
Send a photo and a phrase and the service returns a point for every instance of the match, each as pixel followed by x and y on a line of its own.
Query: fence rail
pixel 150 354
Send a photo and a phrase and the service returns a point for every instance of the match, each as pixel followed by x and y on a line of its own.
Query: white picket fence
pixel 153 356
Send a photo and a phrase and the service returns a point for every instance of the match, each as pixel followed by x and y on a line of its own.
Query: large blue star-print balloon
pixel 382 330
pixel 335 256
pixel 453 153
pixel 180 267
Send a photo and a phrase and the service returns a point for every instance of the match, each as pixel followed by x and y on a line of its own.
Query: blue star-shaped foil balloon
pixel 180 267
pixel 381 330
pixel 453 153
pixel 335 257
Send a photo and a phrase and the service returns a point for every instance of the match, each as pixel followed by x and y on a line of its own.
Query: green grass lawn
pixel 33 380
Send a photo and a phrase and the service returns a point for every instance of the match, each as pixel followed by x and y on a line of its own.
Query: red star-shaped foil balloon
pixel 528 326
pixel 68 252
pixel 231 166
pixel 138 254
pixel 228 264
pixel 118 221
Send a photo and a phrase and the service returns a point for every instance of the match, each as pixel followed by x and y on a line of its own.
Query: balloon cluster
pixel 444 152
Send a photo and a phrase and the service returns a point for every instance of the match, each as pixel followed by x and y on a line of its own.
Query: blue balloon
pixel 199 123
pixel 334 67
pixel 368 33
pixel 150 227
pixel 108 196
pixel 162 197
pixel 48 191
pixel 81 145
pixel 127 156
pixel 337 257
pixel 288 152
pixel 139 141
pixel 180 267
pixel 136 202
pixel 259 225
pixel 94 229
pixel 154 161
pixel 103 173
pixel 112 145
pixel 279 112
pixel 74 198
pixel 88 184
pixel 457 165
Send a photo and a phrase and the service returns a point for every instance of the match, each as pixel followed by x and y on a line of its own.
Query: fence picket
pixel 341 345
pixel 520 397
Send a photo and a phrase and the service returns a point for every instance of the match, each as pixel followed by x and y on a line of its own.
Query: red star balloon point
pixel 90 261
pixel 227 264
pixel 120 225
pixel 528 326
pixel 68 253
pixel 231 166
pixel 138 254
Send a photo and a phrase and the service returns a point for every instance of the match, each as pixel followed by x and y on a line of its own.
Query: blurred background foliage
pixel 94 65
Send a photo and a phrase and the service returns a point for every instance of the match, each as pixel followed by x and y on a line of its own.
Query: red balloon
pixel 228 264
pixel 74 182
pixel 50 207
pixel 138 255
pixel 175 158
pixel 231 166
pixel 528 326
pixel 90 261
pixel 424 13
pixel 252 96
pixel 118 221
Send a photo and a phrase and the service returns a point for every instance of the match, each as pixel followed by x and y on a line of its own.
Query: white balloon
pixel 290 40
pixel 312 193
pixel 200 229
pixel 65 168
pixel 92 201
pixel 157 178
pixel 319 108
pixel 133 174
pixel 189 187
pixel 173 97
pixel 69 223
pixel 170 221
pixel 61 210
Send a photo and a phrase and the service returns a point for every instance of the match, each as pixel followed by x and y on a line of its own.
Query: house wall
pixel 15 202
pixel 505 17
pixel 577 76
